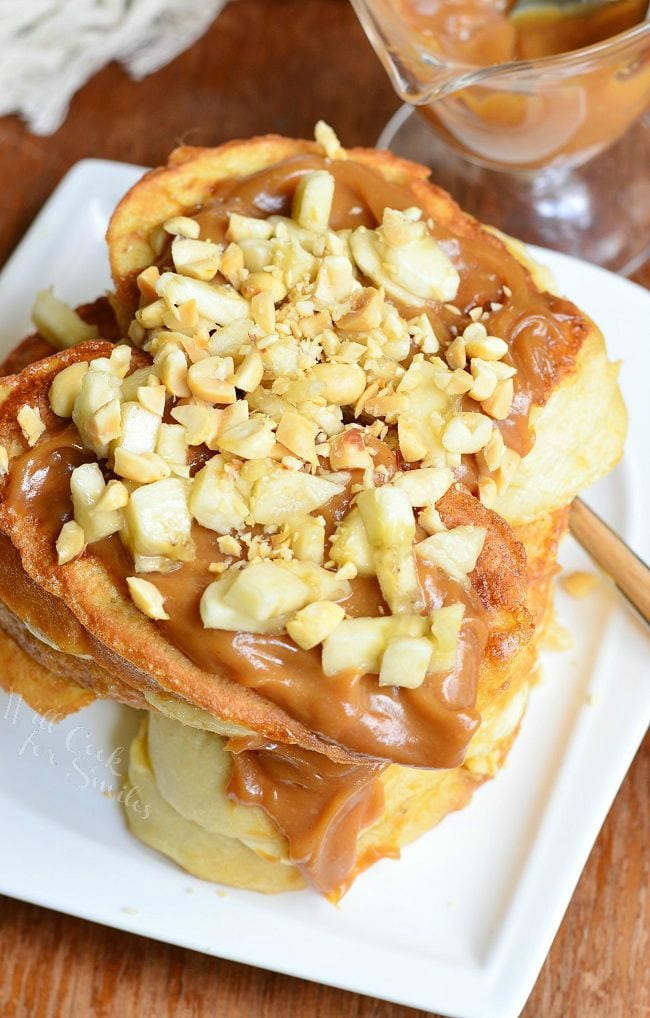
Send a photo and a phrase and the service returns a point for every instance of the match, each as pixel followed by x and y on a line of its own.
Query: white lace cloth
pixel 49 48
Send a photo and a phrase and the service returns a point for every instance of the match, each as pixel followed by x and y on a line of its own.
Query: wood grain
pixel 611 553
pixel 278 65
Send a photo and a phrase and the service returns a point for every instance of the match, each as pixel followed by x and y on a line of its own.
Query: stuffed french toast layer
pixel 275 505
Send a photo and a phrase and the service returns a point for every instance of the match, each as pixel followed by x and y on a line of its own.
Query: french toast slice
pixel 81 608
pixel 577 415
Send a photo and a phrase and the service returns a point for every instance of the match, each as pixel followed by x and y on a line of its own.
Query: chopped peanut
pixel 31 424
pixel 70 543
pixel 147 598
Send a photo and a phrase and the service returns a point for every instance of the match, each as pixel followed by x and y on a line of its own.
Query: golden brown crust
pixel 51 695
pixel 500 574
pixel 130 647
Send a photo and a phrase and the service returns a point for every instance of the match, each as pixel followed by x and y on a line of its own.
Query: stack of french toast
pixel 296 490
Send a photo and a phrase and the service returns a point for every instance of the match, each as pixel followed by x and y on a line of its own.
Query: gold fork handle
pixel 630 573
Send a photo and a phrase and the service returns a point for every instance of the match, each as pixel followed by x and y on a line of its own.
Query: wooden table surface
pixel 278 65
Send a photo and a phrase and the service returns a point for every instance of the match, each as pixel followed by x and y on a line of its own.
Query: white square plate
pixel 463 923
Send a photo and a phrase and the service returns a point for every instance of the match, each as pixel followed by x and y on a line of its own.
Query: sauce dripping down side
pixel 426 727
pixel 321 807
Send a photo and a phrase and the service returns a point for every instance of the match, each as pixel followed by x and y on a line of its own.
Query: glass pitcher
pixel 538 118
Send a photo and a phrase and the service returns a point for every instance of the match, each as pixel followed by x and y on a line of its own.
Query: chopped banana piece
pixel 420 425
pixel 298 435
pixel 142 467
pixel 216 614
pixel 4 461
pixel 323 584
pixel 158 520
pixel 251 439
pixel 138 431
pixel 405 662
pixel 250 372
pixel 147 598
pixel 314 623
pixel 312 201
pixel 398 579
pixel 350 543
pixel 358 644
pixel 455 551
pixel 281 494
pixel 387 516
pixel 425 486
pixel 411 272
pixel 390 525
pixel 65 388
pixel 58 323
pixel 216 302
pixel 87 487
pixel 198 259
pixel 172 447
pixel 200 423
pixel 31 424
pixel 446 625
pixel 264 591
pixel 228 341
pixel 335 280
pixel 70 543
pixel 307 538
pixel 214 501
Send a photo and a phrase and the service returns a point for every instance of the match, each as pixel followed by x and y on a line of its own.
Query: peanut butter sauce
pixel 543 332
pixel 426 727
pixel 321 807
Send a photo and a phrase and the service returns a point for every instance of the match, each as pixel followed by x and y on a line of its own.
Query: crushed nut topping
pixel 70 543
pixel 31 424
pixel 298 360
